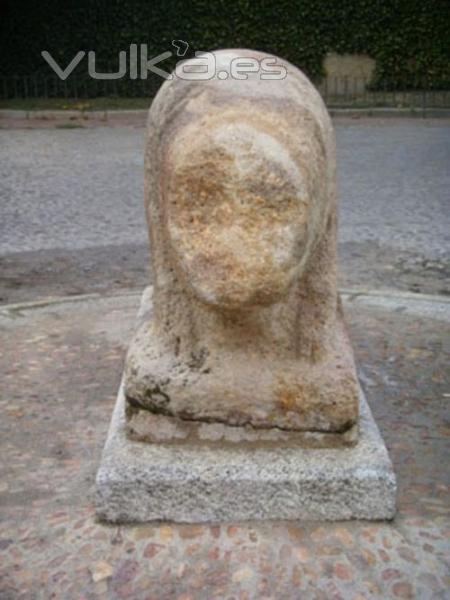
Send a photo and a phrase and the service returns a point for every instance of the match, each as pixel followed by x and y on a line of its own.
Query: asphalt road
pixel 72 219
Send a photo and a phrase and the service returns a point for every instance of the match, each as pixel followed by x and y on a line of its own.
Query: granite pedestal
pixel 197 481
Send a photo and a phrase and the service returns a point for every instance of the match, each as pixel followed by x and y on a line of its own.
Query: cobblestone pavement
pixel 61 366
pixel 72 218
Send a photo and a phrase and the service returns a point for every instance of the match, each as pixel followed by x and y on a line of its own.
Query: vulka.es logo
pixel 202 67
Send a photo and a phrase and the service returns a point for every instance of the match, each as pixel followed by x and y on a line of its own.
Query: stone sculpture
pixel 241 201
pixel 240 398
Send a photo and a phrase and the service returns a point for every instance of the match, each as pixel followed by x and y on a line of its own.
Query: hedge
pixel 408 38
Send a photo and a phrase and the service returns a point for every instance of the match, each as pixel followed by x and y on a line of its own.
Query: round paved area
pixel 61 366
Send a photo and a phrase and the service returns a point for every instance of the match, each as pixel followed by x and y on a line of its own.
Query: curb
pixel 354 293
pixel 387 112
pixel 109 115
pixel 54 115
pixel 52 301
pixel 351 295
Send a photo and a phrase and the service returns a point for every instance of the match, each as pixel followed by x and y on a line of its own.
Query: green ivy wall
pixel 408 38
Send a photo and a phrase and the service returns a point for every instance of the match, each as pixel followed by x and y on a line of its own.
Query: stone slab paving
pixel 60 369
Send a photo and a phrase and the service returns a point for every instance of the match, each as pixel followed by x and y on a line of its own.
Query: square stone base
pixel 196 482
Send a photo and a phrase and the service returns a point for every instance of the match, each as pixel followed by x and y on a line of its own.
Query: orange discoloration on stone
pixel 288 399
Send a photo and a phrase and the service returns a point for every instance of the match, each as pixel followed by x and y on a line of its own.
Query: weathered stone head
pixel 241 210
pixel 240 191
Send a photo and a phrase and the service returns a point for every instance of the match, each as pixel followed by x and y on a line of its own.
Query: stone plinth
pixel 218 475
